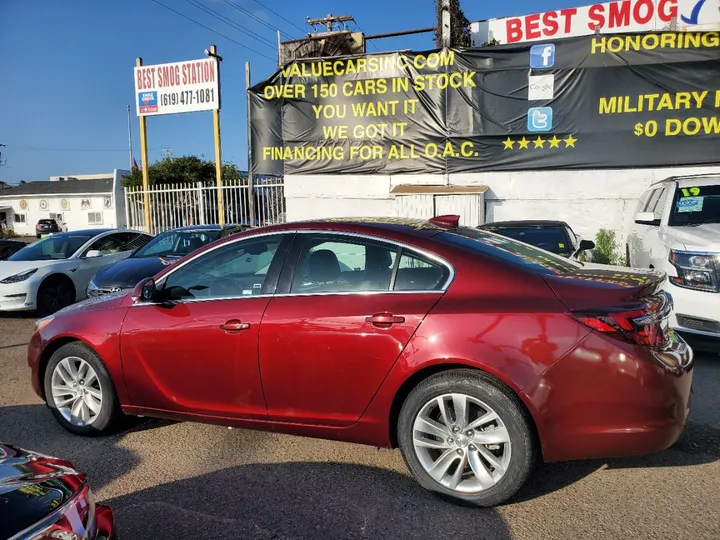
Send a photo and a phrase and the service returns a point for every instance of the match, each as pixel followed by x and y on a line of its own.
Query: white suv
pixel 677 229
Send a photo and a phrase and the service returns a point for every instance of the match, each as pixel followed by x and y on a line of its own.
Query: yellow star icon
pixel 523 143
pixel 570 141
pixel 554 142
pixel 508 144
pixel 539 142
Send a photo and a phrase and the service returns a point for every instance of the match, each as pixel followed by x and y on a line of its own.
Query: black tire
pixel 38 235
pixel 482 387
pixel 55 293
pixel 110 416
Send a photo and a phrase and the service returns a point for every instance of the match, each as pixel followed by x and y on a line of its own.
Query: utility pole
pixel 145 164
pixel 129 138
pixel 330 21
pixel 445 30
pixel 212 53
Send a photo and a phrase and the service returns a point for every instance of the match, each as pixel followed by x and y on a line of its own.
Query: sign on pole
pixel 178 87
pixel 620 16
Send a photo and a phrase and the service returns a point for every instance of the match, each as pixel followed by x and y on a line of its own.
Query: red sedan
pixel 474 353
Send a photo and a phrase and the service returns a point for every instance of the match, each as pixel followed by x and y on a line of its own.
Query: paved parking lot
pixel 193 481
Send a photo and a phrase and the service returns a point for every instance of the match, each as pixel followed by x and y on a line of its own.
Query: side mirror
pixel 91 254
pixel 646 218
pixel 586 245
pixel 146 290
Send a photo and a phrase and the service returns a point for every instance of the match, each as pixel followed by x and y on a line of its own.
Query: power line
pixel 215 31
pixel 371 43
pixel 303 30
pixel 44 149
pixel 250 14
pixel 230 22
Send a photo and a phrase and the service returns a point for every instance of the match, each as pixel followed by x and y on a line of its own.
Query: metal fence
pixel 180 205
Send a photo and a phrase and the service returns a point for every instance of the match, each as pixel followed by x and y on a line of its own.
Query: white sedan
pixel 54 272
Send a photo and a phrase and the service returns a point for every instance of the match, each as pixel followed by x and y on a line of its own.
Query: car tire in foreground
pixel 79 391
pixel 467 438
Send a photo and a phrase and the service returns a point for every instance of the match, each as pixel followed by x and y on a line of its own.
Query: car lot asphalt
pixel 194 481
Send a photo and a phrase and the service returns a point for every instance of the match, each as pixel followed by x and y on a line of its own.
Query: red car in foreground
pixel 45 498
pixel 474 353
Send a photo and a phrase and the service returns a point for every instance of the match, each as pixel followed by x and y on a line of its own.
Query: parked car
pixel 554 236
pixel 48 226
pixel 161 251
pixel 52 273
pixel 476 354
pixel 44 498
pixel 676 229
pixel 8 247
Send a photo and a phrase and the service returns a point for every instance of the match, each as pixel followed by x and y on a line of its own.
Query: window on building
pixel 95 218
pixel 20 218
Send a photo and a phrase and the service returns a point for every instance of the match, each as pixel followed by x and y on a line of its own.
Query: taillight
pixel 644 324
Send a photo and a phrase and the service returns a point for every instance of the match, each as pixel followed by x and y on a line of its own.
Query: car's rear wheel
pixel 80 392
pixel 55 293
pixel 467 438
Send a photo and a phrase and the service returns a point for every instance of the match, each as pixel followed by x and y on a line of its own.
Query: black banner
pixel 626 100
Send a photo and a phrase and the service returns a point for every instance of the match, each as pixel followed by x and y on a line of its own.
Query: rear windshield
pixel 47 221
pixel 508 250
pixel 550 238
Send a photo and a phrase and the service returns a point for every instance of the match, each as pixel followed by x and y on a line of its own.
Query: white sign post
pixel 604 18
pixel 178 87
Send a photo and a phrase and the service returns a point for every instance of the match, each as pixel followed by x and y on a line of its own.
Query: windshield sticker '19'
pixel 690 204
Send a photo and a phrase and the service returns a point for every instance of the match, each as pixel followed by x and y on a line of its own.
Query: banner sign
pixel 621 16
pixel 178 87
pixel 635 100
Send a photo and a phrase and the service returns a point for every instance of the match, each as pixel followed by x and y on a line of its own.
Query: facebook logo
pixel 539 119
pixel 542 56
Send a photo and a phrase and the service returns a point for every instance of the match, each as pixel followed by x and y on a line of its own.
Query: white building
pixel 78 201
pixel 588 200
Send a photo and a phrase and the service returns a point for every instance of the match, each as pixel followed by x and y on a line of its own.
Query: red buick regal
pixel 475 354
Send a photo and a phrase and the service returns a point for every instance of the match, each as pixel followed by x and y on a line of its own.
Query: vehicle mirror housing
pixel 146 290
pixel 646 218
pixel 586 245
pixel 91 254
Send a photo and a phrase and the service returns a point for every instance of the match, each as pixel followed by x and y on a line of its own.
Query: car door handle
pixel 234 325
pixel 384 319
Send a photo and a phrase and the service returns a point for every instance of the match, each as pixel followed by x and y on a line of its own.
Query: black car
pixel 161 251
pixel 554 236
pixel 47 226
pixel 8 247
pixel 43 498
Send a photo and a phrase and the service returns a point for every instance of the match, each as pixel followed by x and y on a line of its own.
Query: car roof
pixel 705 179
pixel 93 232
pixel 10 242
pixel 187 228
pixel 526 223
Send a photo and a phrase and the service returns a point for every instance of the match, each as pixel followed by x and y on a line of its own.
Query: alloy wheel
pixel 462 443
pixel 76 391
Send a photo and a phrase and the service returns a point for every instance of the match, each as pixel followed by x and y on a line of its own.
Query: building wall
pixel 588 200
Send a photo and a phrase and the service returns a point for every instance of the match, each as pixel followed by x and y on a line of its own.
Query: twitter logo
pixel 539 119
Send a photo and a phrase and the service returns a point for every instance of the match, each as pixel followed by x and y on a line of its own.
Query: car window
pixel 552 238
pixel 130 241
pixel 511 251
pixel 652 200
pixel 177 243
pixel 57 246
pixel 659 204
pixel 343 264
pixel 233 270
pixel 418 273
pixel 695 206
pixel 107 245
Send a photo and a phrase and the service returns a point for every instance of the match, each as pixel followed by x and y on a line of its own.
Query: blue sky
pixel 67 71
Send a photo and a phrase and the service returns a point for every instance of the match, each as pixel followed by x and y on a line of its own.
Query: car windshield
pixel 549 237
pixel 176 243
pixel 57 246
pixel 695 206
pixel 508 250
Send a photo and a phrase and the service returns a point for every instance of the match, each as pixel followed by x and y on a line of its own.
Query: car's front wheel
pixel 466 438
pixel 80 392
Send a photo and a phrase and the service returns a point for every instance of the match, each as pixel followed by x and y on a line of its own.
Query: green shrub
pixel 607 250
